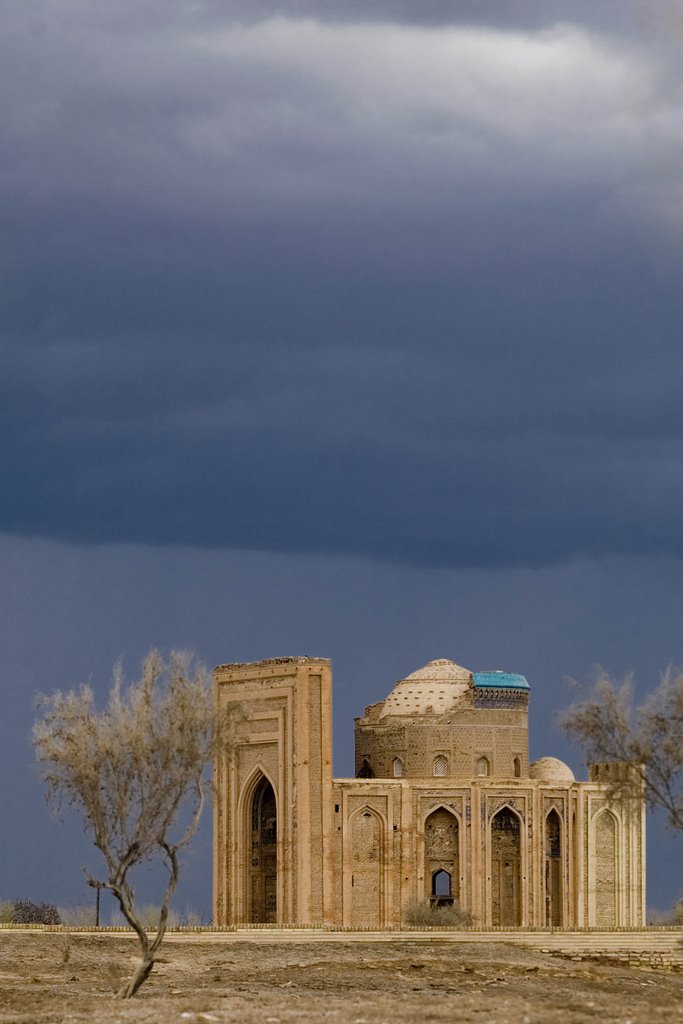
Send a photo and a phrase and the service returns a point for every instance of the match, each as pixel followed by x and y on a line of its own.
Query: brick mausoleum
pixel 444 807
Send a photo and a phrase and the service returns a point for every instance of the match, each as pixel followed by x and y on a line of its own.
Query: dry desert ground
pixel 55 977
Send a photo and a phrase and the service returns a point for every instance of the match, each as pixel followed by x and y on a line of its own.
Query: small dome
pixel 433 689
pixel 551 769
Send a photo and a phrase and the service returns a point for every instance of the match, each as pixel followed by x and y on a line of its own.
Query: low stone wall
pixel 656 961
pixel 657 947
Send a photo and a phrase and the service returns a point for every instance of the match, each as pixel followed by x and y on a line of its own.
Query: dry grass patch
pixel 57 978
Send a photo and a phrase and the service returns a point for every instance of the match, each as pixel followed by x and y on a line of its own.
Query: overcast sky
pixel 348 329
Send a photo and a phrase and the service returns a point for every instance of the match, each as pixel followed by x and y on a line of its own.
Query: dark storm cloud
pixel 615 15
pixel 379 289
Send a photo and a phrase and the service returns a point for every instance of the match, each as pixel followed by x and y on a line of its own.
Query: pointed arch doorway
pixel 262 887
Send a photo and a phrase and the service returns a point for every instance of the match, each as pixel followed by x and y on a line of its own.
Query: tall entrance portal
pixel 263 868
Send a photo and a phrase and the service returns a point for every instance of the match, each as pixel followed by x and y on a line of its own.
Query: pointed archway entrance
pixel 262 890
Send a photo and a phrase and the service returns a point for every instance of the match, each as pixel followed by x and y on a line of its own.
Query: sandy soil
pixel 50 978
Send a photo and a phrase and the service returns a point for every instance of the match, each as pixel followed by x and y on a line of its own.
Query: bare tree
pixel 136 771
pixel 648 738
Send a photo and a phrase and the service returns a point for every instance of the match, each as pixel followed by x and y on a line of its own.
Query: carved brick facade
pixel 445 807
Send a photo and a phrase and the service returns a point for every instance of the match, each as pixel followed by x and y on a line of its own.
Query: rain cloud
pixel 386 279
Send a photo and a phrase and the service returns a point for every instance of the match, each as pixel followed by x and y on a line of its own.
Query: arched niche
pixel 553 869
pixel 605 833
pixel 367 863
pixel 506 869
pixel 442 854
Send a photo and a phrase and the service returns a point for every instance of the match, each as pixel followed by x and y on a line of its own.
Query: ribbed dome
pixel 432 689
pixel 551 769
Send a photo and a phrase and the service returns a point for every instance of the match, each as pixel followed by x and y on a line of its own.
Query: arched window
pixel 399 768
pixel 482 768
pixel 441 883
pixel 440 766
pixel 365 771
pixel 517 768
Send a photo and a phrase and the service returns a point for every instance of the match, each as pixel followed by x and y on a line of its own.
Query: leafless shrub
pixel 137 773
pixel 149 915
pixel 422 914
pixel 676 916
pixel 29 912
pixel 64 945
pixel 646 738
pixel 77 917
pixel 186 918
